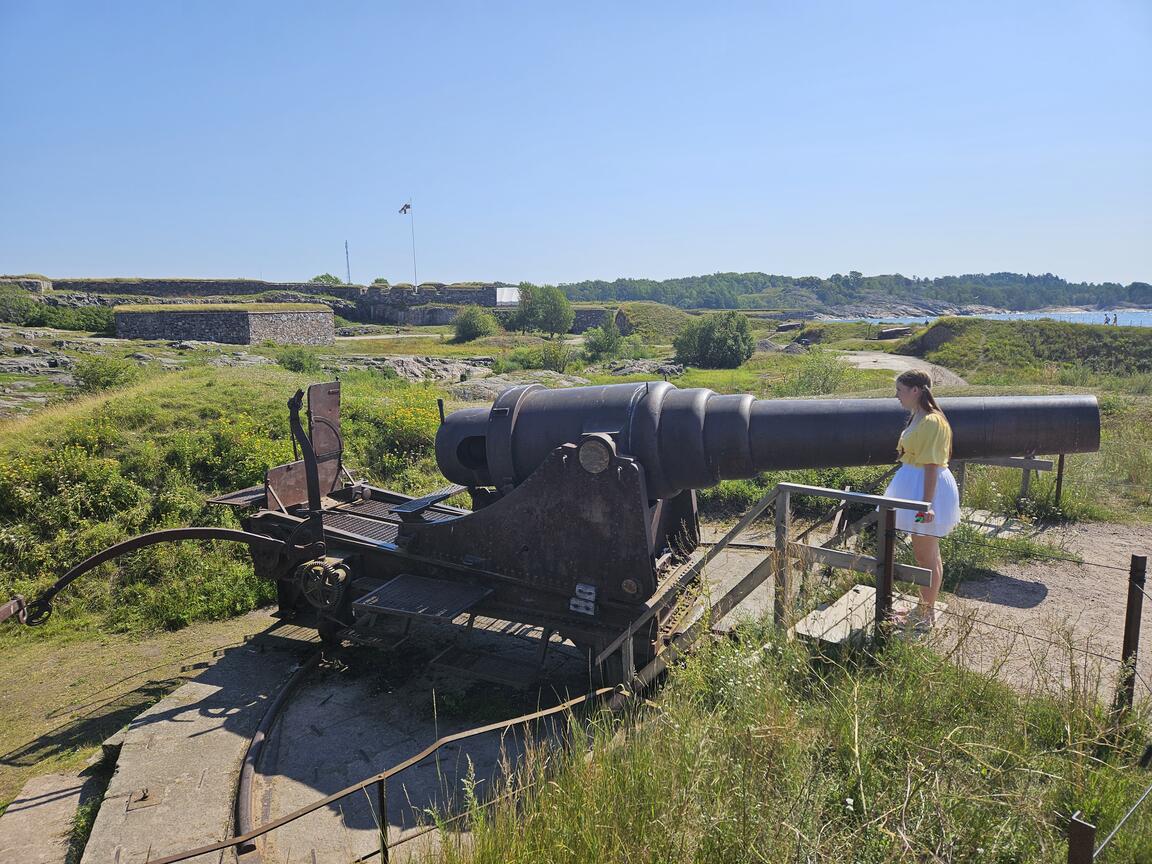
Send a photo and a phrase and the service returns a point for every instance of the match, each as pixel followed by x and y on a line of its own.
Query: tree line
pixel 767 291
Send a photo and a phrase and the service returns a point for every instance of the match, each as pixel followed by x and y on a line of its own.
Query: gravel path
pixel 941 377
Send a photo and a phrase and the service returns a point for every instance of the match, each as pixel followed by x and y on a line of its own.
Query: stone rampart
pixel 238 327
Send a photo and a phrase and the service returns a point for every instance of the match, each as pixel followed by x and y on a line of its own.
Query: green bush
pixel 605 341
pixel 556 356
pixel 718 341
pixel 472 322
pixel 94 374
pixel 298 358
pixel 819 372
pixel 17 306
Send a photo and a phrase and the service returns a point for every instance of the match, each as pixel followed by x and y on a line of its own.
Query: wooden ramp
pixel 851 618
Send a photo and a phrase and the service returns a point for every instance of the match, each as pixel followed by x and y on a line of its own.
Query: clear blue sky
pixel 558 142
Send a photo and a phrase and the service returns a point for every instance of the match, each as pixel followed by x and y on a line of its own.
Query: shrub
pixel 819 372
pixel 298 358
pixel 556 356
pixel 94 374
pixel 472 322
pixel 719 341
pixel 603 341
pixel 326 279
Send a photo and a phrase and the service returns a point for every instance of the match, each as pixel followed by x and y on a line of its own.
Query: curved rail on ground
pixel 256 747
pixel 383 776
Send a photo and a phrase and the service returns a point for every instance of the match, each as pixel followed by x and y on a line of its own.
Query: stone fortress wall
pixel 432 303
pixel 238 327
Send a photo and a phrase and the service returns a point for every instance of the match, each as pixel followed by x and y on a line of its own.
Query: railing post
pixel 885 566
pixel 1137 573
pixel 960 472
pixel 783 587
pixel 382 806
pixel 1059 479
pixel 1081 840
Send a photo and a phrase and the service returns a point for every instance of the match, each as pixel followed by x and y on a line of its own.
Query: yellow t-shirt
pixel 927 442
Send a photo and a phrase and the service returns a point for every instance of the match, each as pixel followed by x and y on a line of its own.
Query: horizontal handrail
pixel 855 497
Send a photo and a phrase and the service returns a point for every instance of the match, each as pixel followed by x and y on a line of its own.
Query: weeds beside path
pixel 62 698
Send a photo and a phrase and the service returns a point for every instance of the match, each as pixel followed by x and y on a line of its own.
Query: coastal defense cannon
pixel 692 439
pixel 583 502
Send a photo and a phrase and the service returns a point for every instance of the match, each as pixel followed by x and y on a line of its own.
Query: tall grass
pixel 81 476
pixel 757 751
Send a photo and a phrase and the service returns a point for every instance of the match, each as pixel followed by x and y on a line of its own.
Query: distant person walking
pixel 924 448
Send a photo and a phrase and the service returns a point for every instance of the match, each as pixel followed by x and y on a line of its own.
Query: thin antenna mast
pixel 347 265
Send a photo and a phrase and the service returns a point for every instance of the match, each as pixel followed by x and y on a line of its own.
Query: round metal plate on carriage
pixel 594 455
pixel 629 586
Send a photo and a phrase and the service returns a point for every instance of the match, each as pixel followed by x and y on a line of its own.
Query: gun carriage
pixel 583 501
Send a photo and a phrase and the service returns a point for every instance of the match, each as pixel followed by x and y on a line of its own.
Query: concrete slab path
pixel 35 828
pixel 175 780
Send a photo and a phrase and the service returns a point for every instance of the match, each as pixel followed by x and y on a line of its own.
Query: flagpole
pixel 412 226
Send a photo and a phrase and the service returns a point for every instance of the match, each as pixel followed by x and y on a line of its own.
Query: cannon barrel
pixel 694 438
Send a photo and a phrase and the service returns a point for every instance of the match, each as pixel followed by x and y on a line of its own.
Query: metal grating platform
pixel 372 530
pixel 384 509
pixel 419 597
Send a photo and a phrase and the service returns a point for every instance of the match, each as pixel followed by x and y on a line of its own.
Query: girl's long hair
pixel 920 378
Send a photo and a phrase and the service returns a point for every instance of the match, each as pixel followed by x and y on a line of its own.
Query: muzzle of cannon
pixel 692 439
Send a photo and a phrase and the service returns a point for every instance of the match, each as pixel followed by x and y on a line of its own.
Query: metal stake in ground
pixel 886 556
pixel 1081 840
pixel 1137 572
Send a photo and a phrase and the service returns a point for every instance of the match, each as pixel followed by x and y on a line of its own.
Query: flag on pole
pixel 405 208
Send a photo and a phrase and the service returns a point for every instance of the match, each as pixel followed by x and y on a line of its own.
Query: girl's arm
pixel 931 474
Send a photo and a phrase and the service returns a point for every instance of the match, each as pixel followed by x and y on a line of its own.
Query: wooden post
pixel 783 587
pixel 885 566
pixel 382 806
pixel 960 473
pixel 1081 840
pixel 1137 572
pixel 1025 484
pixel 1059 478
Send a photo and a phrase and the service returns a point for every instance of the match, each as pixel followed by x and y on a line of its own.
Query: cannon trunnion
pixel 583 500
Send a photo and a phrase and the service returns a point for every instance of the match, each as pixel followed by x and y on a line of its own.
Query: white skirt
pixel 909 484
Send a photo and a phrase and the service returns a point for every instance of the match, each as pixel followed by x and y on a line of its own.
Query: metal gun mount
pixel 583 499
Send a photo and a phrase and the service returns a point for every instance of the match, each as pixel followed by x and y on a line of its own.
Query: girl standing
pixel 925 447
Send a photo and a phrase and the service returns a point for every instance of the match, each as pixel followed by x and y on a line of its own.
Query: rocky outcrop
pixel 413 368
pixel 487 389
pixel 656 368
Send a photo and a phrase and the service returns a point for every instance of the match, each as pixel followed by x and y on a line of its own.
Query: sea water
pixel 1127 317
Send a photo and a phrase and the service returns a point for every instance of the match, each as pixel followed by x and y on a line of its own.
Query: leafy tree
pixel 326 279
pixel 1140 292
pixel 718 341
pixel 527 315
pixel 556 313
pixel 472 322
pixel 380 280
pixel 605 340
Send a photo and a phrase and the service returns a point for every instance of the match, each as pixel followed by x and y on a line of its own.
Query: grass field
pixel 756 750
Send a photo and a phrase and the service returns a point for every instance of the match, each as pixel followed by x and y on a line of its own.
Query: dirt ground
pixel 941 377
pixel 1051 624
